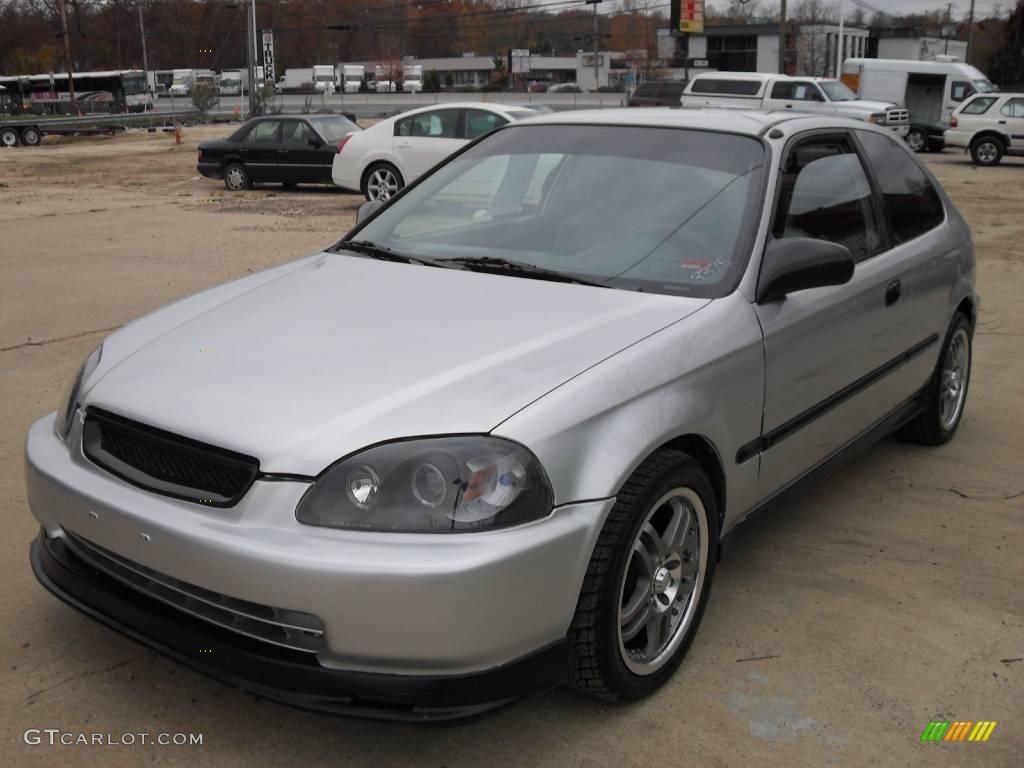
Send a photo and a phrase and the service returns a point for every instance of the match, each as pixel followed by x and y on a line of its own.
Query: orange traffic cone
pixel 177 132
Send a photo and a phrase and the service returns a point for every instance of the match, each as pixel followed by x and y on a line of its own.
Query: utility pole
pixel 970 33
pixel 67 48
pixel 782 38
pixel 251 56
pixel 597 38
pixel 839 42
pixel 142 34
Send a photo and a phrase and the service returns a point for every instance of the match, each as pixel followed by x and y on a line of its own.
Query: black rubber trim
pixel 280 674
pixel 899 416
pixel 801 420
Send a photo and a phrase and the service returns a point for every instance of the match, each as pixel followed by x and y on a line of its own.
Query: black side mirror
pixel 316 141
pixel 798 263
pixel 367 209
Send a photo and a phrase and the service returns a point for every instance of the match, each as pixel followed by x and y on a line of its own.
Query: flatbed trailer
pixel 29 130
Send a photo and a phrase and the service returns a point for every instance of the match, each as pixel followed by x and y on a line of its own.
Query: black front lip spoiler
pixel 283 675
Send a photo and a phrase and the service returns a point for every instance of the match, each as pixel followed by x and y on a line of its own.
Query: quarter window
pixel 978 106
pixel 825 194
pixel 1013 108
pixel 911 201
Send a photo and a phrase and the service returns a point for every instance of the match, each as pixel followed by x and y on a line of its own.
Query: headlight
pixel 70 402
pixel 877 118
pixel 432 485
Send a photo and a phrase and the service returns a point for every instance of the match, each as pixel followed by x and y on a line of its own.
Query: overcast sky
pixel 981 7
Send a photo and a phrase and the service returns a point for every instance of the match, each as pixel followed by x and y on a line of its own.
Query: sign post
pixel 687 19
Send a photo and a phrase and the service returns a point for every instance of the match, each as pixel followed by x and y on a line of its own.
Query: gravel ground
pixel 874 600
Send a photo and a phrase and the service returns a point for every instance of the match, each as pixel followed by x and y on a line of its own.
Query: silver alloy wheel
pixel 9 137
pixel 235 178
pixel 382 184
pixel 956 370
pixel 916 140
pixel 663 580
pixel 988 152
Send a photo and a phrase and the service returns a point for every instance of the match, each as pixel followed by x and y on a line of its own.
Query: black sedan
pixel 287 149
pixel 926 135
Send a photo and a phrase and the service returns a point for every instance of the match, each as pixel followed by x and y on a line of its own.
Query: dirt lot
pixel 882 597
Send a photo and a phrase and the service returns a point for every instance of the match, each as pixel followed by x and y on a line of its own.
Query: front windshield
pixel 333 128
pixel 639 208
pixel 837 91
pixel 984 86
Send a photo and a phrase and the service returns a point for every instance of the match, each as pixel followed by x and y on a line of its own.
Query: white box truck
pixel 296 79
pixel 181 82
pixel 233 82
pixel 352 77
pixel 412 78
pixel 323 78
pixel 930 90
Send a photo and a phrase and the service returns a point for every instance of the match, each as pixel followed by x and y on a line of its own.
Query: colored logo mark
pixel 958 730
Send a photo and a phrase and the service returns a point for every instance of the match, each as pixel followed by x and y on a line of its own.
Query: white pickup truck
pixel 778 93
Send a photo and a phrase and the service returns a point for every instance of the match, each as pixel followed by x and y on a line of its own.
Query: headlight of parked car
pixel 432 485
pixel 70 402
pixel 878 118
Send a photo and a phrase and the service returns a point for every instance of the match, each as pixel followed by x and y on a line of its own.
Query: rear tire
pixel 236 178
pixel 9 138
pixel 31 137
pixel 945 395
pixel 917 140
pixel 648 581
pixel 988 150
pixel 382 181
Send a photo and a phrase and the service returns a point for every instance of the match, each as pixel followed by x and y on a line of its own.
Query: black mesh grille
pixel 166 463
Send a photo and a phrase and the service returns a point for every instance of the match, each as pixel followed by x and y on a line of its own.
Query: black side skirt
pixel 281 674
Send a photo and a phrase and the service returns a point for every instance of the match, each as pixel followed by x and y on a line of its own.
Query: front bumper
pixel 281 675
pixel 425 606
pixel 900 129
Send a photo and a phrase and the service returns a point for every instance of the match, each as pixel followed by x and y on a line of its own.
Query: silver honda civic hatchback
pixel 491 441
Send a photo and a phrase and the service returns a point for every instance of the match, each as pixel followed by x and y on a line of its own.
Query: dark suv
pixel 658 93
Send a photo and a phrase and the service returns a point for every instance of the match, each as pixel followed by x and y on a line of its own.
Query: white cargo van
pixel 779 93
pixel 930 90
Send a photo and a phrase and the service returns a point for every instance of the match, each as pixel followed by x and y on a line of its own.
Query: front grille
pixel 894 116
pixel 279 626
pixel 166 463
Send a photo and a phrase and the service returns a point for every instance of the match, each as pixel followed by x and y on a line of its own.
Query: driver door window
pixel 825 194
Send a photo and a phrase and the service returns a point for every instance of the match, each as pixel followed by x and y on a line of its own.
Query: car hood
pixel 867 106
pixel 309 362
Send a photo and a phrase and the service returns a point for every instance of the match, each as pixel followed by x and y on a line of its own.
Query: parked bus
pixel 114 91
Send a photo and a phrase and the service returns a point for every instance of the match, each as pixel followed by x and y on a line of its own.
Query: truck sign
pixel 268 55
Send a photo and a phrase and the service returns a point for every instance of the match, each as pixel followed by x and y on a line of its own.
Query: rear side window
pixel 825 194
pixel 911 201
pixel 726 87
pixel 672 90
pixel 1013 108
pixel 263 133
pixel 479 122
pixel 978 106
pixel 647 90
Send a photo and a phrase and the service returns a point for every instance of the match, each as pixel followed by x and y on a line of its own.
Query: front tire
pixel 236 178
pixel 917 140
pixel 648 581
pixel 946 393
pixel 987 150
pixel 382 181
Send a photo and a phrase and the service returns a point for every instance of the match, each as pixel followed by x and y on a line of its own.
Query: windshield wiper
pixel 374 251
pixel 497 265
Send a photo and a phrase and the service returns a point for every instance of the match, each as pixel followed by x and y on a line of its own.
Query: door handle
pixel 1002 122
pixel 892 293
pixel 282 151
pixel 403 144
pixel 789 106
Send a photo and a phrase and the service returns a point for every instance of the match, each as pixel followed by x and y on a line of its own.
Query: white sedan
pixel 385 157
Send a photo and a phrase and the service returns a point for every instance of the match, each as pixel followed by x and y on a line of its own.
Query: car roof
pixel 750 122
